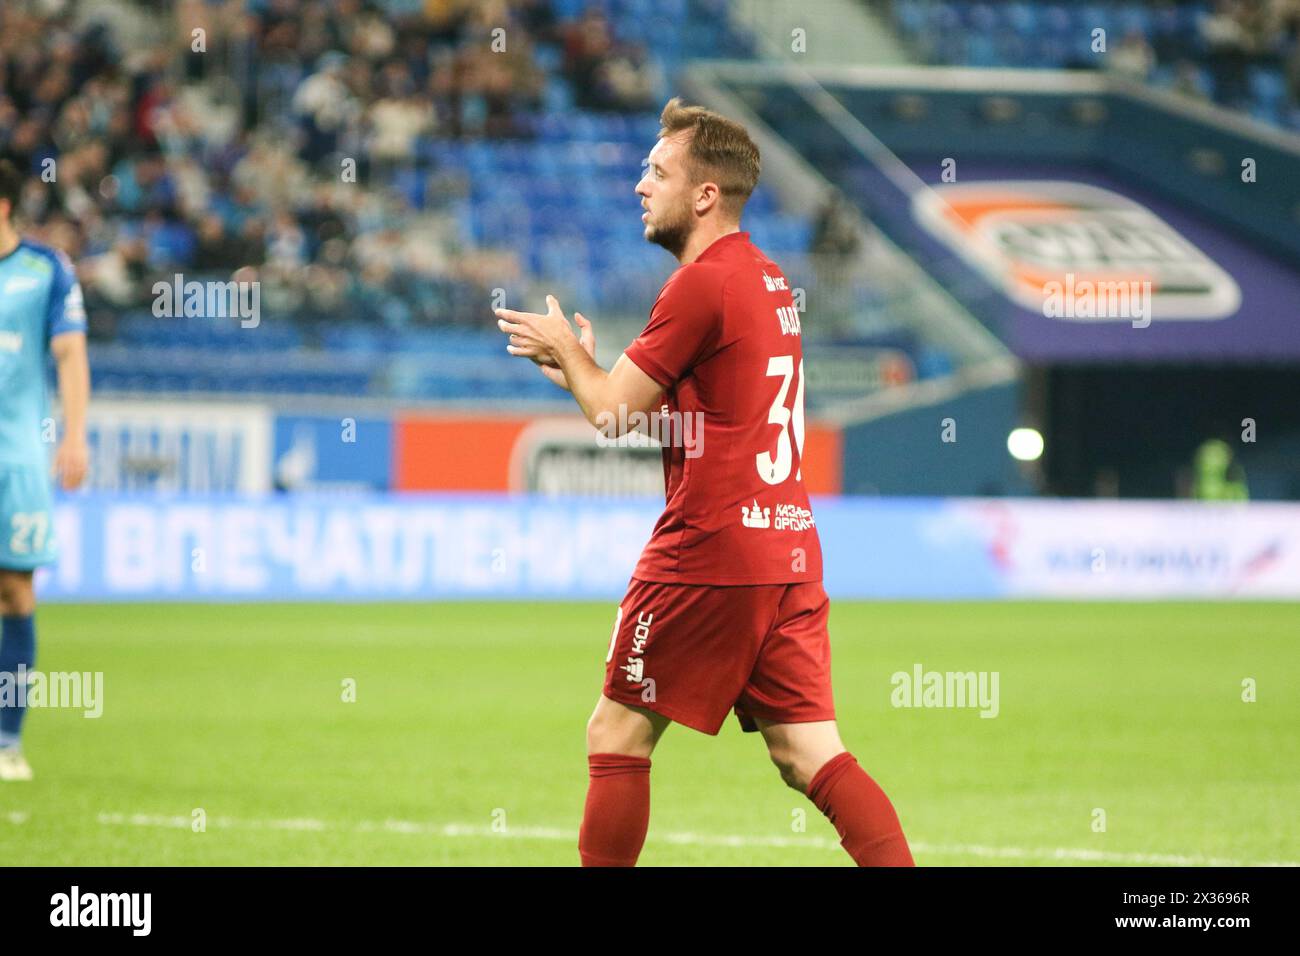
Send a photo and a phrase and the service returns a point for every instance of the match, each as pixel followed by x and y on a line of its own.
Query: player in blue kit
pixel 41 309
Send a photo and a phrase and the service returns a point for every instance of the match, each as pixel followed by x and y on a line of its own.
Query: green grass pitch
pixel 465 746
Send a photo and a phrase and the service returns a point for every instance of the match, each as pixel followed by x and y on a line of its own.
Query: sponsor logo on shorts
pixel 635 665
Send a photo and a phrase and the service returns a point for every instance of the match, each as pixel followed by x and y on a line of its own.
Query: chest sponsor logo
pixel 1073 251
pixel 19 284
pixel 786 517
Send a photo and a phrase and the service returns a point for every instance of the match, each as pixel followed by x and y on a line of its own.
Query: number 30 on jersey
pixel 775 471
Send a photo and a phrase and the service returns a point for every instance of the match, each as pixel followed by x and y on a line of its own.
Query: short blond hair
pixel 719 150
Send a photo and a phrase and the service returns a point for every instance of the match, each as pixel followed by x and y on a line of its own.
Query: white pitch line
pixel 410 827
pixel 1088 856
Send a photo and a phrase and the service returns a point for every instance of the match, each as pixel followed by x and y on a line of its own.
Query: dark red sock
pixel 617 812
pixel 860 812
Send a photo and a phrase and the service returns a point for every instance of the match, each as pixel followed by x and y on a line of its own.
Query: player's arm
pixel 73 370
pixel 65 330
pixel 601 394
pixel 548 339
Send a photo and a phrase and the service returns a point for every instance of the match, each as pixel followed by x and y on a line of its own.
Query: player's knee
pixel 596 733
pixel 609 733
pixel 16 594
pixel 790 768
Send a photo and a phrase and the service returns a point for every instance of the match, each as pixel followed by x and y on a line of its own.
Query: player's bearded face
pixel 671 222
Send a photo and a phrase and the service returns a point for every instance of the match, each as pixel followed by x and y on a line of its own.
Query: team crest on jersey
pixel 1070 250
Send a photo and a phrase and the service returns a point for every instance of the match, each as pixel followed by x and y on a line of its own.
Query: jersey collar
pixel 716 245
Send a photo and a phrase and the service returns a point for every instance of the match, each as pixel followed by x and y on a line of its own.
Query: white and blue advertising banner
pixel 390 547
pixel 181 448
pixel 332 453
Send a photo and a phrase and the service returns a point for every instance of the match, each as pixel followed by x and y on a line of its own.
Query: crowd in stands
pixel 373 160
pixel 273 139
pixel 1242 54
pixel 1235 50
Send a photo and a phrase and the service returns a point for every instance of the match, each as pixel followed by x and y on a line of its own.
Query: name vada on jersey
pixel 788 316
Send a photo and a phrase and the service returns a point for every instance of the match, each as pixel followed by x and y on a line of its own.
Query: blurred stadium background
pixel 388 171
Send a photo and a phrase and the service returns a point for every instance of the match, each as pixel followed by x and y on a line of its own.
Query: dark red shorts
pixel 693 652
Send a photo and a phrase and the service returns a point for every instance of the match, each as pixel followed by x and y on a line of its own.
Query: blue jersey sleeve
pixel 67 309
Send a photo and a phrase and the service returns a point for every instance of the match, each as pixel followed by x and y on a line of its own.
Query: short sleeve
pixel 683 326
pixel 67 309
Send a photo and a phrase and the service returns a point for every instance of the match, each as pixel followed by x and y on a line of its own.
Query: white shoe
pixel 13 765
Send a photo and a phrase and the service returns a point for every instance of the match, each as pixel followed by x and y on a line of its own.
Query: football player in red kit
pixel 726 608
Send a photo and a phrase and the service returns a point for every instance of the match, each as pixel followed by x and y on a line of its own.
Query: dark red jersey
pixel 724 342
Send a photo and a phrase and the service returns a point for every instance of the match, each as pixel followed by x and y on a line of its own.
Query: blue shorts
pixel 26 518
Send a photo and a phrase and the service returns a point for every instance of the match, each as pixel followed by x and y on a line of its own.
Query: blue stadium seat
pixel 912 16
pixel 569 9
pixel 1267 112
pixel 1135 18
pixel 980 17
pixel 1189 15
pixel 1267 86
pixel 548 56
pixel 1090 17
pixel 1162 76
pixel 982 51
pixel 1165 21
pixel 1050 51
pixel 557 97
pixel 1020 17
pixel 1205 81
